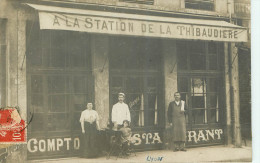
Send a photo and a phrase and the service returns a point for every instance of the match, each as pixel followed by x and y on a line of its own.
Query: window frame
pixel 147 2
pixel 206 74
pixel 200 3
pixel 144 73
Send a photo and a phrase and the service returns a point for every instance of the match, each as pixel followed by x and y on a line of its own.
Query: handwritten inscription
pixel 134 102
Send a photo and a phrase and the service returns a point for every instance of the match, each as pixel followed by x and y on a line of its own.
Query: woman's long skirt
pixel 89 141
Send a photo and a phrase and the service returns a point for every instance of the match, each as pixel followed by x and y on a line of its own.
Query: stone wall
pixel 100 66
pixel 15 73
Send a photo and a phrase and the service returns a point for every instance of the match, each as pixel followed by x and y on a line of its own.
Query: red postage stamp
pixel 12 126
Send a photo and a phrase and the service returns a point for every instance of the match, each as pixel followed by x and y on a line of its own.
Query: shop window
pixel 138 76
pixel 40 124
pixel 37 95
pixel 57 84
pixel 199 56
pixel 198 61
pixel 57 49
pixel 79 84
pixel 202 99
pixel 200 4
pixel 59 79
pixel 58 122
pixel 149 2
pixel 182 58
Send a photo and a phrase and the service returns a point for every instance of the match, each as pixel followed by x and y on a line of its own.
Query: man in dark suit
pixel 176 118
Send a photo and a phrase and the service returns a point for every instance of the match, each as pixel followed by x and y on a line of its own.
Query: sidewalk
pixel 199 154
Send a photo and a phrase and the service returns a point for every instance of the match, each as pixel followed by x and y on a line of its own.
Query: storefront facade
pixel 77 54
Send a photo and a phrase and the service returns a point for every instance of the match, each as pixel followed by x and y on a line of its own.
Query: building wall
pixel 242 13
pixel 100 67
pixel 15 94
pixel 221 6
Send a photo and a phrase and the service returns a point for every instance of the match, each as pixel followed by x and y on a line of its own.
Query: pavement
pixel 218 153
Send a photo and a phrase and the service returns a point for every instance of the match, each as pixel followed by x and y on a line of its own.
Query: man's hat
pixel 121 94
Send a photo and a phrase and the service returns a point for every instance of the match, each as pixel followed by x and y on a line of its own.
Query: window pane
pixel 150 50
pixel 59 49
pixel 212 47
pixel 151 82
pixel 76 124
pixel 58 57
pixel 197 61
pixel 148 2
pixel 212 84
pixel 134 101
pixel 212 115
pixel 37 103
pixel 213 101
pixel 198 116
pixel 77 57
pixel 213 62
pixel 200 4
pixel 79 102
pixel 182 56
pixel 198 85
pixel 152 101
pixel 57 103
pixel 133 84
pixel 59 39
pixel 198 102
pixel 134 60
pixel 182 61
pixel 36 84
pixel 149 118
pixel 117 81
pixel 56 84
pixel 38 122
pixel 135 116
pixel 196 47
pixel 35 56
pixel 182 84
pixel 80 84
pixel 59 122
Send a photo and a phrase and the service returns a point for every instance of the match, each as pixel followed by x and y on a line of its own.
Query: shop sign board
pixel 142 140
pixel 139 27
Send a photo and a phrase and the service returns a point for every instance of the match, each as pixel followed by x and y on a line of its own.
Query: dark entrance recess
pixel 59 85
pixel 200 82
pixel 136 70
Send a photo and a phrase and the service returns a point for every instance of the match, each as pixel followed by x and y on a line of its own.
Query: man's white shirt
pixel 120 112
pixel 182 104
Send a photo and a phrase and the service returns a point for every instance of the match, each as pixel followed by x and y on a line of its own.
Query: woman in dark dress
pixel 89 120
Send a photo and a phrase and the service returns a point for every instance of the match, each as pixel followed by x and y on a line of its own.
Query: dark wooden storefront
pixel 136 69
pixel 201 84
pixel 59 84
